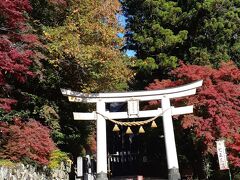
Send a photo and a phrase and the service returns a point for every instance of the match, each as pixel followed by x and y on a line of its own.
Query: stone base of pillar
pixel 173 174
pixel 102 176
pixel 78 178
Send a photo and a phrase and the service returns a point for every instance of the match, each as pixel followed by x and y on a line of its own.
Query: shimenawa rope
pixel 132 123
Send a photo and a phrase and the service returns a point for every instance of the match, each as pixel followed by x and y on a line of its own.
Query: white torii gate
pixel 133 98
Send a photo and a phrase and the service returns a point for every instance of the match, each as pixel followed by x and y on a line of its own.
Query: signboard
pixel 222 156
pixel 133 107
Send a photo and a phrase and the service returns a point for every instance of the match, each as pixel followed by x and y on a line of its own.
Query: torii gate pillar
pixel 170 145
pixel 101 142
pixel 167 111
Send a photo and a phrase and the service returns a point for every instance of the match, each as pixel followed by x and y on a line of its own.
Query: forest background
pixel 46 45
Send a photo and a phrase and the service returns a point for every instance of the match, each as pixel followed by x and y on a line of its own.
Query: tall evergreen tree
pixel 199 32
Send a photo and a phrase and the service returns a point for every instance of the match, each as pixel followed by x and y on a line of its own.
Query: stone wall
pixel 28 172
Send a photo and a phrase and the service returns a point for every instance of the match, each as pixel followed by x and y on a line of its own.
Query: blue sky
pixel 122 22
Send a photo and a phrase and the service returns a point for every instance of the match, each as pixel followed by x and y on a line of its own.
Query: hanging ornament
pixel 116 128
pixel 141 130
pixel 153 125
pixel 129 131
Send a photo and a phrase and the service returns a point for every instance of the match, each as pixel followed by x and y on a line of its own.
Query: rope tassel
pixel 153 125
pixel 129 131
pixel 116 128
pixel 141 130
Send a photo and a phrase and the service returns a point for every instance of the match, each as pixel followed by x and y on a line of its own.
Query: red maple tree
pixel 15 51
pixel 26 140
pixel 216 105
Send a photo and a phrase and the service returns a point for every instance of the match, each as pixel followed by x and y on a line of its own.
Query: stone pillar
pixel 101 142
pixel 172 160
pixel 79 172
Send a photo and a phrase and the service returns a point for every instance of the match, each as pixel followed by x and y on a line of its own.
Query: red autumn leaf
pixel 15 55
pixel 216 105
pixel 26 140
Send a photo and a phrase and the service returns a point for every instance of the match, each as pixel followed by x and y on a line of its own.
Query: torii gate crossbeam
pixel 133 98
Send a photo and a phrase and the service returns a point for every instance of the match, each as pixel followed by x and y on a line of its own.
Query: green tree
pixel 153 31
pixel 85 49
pixel 82 53
pixel 199 32
pixel 49 12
